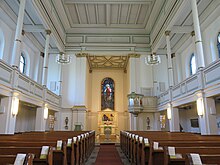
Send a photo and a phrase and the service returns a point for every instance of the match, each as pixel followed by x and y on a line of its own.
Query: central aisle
pixel 108 155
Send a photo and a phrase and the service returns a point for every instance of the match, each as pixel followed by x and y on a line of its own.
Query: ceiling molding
pixel 107 1
pixel 107 61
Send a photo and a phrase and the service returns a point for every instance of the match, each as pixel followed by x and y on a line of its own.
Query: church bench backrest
pixel 10 159
pixel 185 150
pixel 205 158
pixel 34 150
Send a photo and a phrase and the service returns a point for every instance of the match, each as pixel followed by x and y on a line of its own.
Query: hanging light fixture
pixel 152 59
pixel 63 58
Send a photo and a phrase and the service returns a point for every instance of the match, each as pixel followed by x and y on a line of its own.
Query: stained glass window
pixel 22 63
pixel 192 64
pixel 108 94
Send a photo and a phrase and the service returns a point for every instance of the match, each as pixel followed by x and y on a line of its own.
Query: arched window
pixel 22 63
pixel 192 64
pixel 108 93
pixel 218 44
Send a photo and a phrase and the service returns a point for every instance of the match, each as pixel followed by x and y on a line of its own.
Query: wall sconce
pixel 45 112
pixel 200 106
pixel 169 115
pixel 15 105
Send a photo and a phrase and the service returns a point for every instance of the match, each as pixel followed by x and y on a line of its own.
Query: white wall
pixel 53 73
pixel 209 29
pixel 32 54
pixel 9 38
pixel 161 71
pixel 25 120
pixel 74 82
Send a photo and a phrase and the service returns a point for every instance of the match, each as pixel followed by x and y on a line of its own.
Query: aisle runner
pixel 108 155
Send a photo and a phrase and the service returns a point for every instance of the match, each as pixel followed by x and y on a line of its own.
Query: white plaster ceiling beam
pixel 33 28
pixel 128 14
pixel 108 15
pixel 181 29
pixel 77 12
pixel 138 14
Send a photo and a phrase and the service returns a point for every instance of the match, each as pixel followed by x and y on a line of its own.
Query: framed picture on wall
pixel 194 123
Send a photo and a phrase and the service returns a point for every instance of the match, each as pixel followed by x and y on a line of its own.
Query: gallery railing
pixel 12 79
pixel 205 78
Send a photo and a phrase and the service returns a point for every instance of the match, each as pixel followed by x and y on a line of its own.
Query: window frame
pixel 190 64
pixel 22 56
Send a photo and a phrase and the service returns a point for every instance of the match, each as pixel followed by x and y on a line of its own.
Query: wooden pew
pixel 10 159
pixel 144 154
pixel 185 150
pixel 206 159
pixel 33 150
pixel 51 137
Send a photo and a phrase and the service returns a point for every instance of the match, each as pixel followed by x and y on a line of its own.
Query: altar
pixel 107 121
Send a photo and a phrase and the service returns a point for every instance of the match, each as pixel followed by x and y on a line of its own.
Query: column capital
pixel 173 55
pixel 193 33
pixel 167 33
pixel 48 32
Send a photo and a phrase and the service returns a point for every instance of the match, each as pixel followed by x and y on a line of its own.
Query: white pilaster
pixel 46 58
pixel 135 123
pixel 18 36
pixel 155 84
pixel 80 81
pixel 198 37
pixel 207 121
pixel 170 65
pixel 58 120
pixel 157 122
pixel 174 121
pixel 40 124
pixel 8 121
pixel 79 117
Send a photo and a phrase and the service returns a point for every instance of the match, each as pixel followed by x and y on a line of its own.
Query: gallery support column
pixel 198 37
pixel 170 65
pixel 18 36
pixel 46 58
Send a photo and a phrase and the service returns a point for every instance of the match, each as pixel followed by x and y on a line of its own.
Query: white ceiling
pixel 106 25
